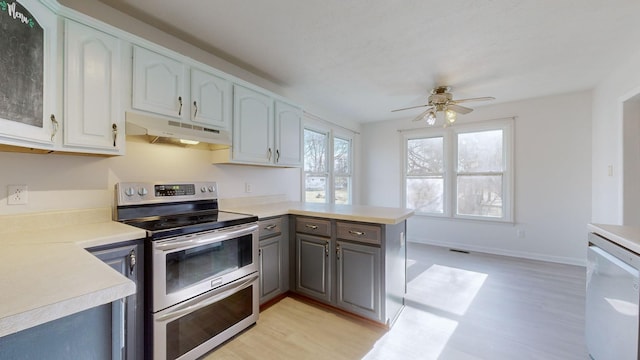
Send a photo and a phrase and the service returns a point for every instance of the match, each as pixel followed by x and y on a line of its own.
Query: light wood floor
pixel 459 307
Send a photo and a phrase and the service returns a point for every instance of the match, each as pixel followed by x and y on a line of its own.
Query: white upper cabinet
pixel 94 118
pixel 165 86
pixel 158 84
pixel 29 115
pixel 288 134
pixel 253 126
pixel 210 101
pixel 265 131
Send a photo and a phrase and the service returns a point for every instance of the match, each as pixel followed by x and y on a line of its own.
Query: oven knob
pixel 142 191
pixel 203 189
pixel 130 191
pixel 211 189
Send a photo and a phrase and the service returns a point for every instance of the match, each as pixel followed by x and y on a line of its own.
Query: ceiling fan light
pixel 431 118
pixel 450 116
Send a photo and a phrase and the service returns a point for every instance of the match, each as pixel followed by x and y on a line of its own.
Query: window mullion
pixel 451 163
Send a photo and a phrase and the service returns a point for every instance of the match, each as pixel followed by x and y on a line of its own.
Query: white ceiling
pixel 362 58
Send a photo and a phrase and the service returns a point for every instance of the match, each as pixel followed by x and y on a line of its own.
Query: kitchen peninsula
pixel 346 256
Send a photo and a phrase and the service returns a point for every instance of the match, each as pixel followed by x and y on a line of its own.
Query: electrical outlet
pixel 247 187
pixel 17 195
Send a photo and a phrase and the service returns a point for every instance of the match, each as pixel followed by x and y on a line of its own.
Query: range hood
pixel 163 131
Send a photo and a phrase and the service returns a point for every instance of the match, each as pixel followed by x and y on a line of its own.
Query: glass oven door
pixel 192 328
pixel 190 265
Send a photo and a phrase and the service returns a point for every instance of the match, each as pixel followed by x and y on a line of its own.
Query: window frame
pixel 330 162
pixel 450 153
pixel 349 173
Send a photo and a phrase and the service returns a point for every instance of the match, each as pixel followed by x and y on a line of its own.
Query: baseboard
pixel 502 252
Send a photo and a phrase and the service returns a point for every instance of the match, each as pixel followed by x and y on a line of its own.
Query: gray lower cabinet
pixel 358 279
pixel 313 266
pixel 274 258
pixel 83 335
pixel 127 259
pixel 358 267
pixel 107 332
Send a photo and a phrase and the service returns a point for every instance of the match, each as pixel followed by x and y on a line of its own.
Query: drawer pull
pixel 357 233
pixel 270 227
pixel 312 227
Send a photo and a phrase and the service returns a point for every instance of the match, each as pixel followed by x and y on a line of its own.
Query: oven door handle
pixel 215 295
pixel 204 240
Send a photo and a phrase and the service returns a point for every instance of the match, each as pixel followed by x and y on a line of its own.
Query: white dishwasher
pixel 611 319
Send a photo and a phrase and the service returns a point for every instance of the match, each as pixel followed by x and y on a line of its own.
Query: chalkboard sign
pixel 21 65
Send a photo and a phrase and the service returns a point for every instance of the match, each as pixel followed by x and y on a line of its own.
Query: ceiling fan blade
pixel 411 107
pixel 422 114
pixel 486 98
pixel 459 109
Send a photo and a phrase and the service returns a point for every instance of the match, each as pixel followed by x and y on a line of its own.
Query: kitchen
pixel 584 131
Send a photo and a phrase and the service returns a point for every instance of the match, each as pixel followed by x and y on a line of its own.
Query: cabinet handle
pixel 312 227
pixel 277 155
pixel 132 261
pixel 55 126
pixel 180 109
pixel 357 233
pixel 270 227
pixel 269 154
pixel 260 252
pixel 195 112
pixel 338 251
pixel 114 128
pixel 326 249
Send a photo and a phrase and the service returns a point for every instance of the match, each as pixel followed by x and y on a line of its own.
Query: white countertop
pixel 46 273
pixel 370 214
pixel 625 236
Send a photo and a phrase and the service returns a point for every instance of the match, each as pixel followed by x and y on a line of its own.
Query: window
pixel 324 179
pixel 461 172
pixel 342 170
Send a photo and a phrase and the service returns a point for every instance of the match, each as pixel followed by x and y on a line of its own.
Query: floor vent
pixel 459 251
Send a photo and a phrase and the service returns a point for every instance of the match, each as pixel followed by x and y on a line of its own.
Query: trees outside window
pixel 327 181
pixel 461 172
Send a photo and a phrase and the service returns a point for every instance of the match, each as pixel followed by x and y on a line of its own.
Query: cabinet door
pixel 313 261
pixel 210 100
pixel 158 84
pixel 270 268
pixel 93 117
pixel 253 126
pixel 358 279
pixel 288 134
pixel 28 76
pixel 127 261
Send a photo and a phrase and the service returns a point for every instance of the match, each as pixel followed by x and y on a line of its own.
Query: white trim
pixel 327 122
pixel 502 252
pixel 449 136
pixel 324 128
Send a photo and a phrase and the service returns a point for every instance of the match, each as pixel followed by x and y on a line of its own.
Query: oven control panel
pixel 133 193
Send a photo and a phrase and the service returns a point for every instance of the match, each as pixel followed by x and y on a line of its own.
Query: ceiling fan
pixel 441 107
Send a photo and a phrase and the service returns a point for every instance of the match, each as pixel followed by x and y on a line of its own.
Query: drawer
pixel 270 227
pixel 318 227
pixel 357 232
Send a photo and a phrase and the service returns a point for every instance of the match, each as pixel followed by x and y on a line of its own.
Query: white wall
pixel 552 181
pixel 608 196
pixel 60 182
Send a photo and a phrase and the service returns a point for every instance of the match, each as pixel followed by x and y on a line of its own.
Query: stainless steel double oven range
pixel 201 275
